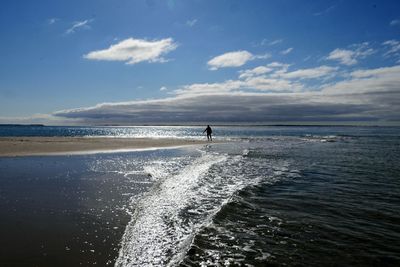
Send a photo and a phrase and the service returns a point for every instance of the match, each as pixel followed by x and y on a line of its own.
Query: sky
pixel 125 62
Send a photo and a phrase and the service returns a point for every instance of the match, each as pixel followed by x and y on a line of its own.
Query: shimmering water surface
pixel 272 196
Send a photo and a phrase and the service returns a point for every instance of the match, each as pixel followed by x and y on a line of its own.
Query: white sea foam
pixel 184 200
pixel 157 231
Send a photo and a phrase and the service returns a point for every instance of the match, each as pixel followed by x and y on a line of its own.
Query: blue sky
pixel 128 62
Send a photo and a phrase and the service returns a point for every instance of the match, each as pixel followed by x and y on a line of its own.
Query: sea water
pixel 270 196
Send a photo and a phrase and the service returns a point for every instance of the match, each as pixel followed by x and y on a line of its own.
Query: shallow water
pixel 275 197
pixel 325 204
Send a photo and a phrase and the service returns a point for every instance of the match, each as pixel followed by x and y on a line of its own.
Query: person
pixel 209 132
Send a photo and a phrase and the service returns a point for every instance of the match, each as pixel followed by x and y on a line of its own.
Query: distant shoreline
pixel 41 146
pixel 200 125
pixel 21 125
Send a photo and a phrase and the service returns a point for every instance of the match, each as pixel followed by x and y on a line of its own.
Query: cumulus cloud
pixel 230 59
pixel 84 24
pixel 259 79
pixel 345 57
pixel 234 59
pixel 133 51
pixel 163 88
pixel 266 79
pixel 351 56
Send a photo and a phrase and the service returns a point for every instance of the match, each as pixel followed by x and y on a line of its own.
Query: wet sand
pixel 61 211
pixel 31 146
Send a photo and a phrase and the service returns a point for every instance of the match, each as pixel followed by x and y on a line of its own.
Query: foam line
pixel 156 231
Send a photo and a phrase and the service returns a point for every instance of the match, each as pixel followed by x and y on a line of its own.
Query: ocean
pixel 269 196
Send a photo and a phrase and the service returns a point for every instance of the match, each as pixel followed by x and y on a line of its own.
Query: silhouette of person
pixel 209 132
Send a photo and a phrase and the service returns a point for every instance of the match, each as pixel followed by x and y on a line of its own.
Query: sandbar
pixel 32 146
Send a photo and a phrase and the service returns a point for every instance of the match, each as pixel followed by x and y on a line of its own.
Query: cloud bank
pixel 133 51
pixel 369 95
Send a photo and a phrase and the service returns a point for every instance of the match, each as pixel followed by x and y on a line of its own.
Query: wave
pixel 159 231
pixel 180 204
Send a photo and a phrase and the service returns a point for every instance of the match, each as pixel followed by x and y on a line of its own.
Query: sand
pixel 31 146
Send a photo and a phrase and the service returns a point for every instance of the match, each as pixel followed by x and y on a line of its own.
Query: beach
pixel 259 196
pixel 35 146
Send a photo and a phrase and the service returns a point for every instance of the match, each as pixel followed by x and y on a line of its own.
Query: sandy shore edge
pixel 37 146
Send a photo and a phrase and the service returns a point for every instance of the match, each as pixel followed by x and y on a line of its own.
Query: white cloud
pixel 79 25
pixel 210 88
pixel 191 23
pixel 163 88
pixel 234 59
pixel 377 82
pixel 393 47
pixel 376 73
pixel 287 51
pixel 250 80
pixel 265 79
pixel 263 83
pixel 350 57
pixel 255 83
pixel 230 59
pixel 278 65
pixel 311 73
pixel 253 72
pixel 135 50
pixel 395 22
pixel 345 57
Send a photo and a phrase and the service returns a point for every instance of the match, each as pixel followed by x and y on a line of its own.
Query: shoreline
pixel 47 146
